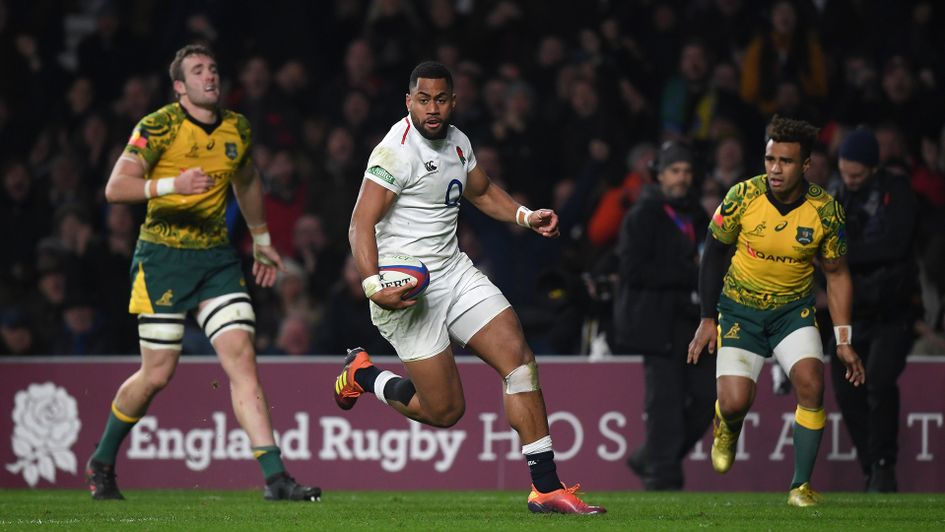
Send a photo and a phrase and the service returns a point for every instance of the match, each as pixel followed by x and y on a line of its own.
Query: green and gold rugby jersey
pixel 170 141
pixel 776 243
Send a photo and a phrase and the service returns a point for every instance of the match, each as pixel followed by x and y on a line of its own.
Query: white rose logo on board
pixel 46 424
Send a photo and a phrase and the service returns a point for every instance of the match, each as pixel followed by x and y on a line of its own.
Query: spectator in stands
pixel 604 223
pixel 786 51
pixel 333 187
pixel 295 336
pixel 820 171
pixel 284 200
pixel 107 55
pixel 347 316
pixel 904 102
pixel 44 305
pixel 84 331
pixel 121 233
pixel 686 107
pixel 729 162
pixel 16 337
pixel 137 99
pixel 24 220
pixel 317 254
pixel 275 124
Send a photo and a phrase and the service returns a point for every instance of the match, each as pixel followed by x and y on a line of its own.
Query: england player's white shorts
pixel 459 302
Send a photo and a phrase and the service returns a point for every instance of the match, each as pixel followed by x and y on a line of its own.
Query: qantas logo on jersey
pixel 773 258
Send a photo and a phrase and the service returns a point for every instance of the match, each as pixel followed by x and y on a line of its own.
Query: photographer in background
pixel 655 310
pixel 881 217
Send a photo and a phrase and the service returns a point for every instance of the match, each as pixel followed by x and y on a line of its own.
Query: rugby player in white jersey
pixel 409 204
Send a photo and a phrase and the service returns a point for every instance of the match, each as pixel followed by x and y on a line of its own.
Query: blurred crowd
pixel 566 104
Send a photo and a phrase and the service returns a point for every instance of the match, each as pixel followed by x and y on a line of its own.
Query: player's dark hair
pixel 430 70
pixel 788 130
pixel 176 70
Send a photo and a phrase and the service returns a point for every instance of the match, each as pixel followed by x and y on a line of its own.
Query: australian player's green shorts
pixel 759 331
pixel 174 280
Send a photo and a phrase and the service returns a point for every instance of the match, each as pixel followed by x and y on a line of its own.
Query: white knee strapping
pixel 522 379
pixel 161 331
pixel 232 311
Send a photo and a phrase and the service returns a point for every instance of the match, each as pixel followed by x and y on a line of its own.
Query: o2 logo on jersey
pixel 454 193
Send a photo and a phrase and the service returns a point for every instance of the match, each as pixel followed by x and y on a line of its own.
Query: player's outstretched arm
pixel 495 202
pixel 372 204
pixel 840 302
pixel 247 186
pixel 127 183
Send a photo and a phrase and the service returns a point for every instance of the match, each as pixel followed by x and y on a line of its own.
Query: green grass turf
pixel 446 510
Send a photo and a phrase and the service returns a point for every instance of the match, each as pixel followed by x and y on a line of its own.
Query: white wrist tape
pixel 521 216
pixel 262 239
pixel 371 285
pixel 162 187
pixel 843 334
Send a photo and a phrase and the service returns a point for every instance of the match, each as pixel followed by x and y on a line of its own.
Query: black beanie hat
pixel 673 152
pixel 861 147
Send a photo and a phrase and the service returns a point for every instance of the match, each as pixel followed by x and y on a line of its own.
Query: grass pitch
pixel 471 510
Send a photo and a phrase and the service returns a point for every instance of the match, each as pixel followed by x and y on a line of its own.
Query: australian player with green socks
pixel 181 160
pixel 779 224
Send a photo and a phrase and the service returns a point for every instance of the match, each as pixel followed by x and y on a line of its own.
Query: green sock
pixel 116 428
pixel 806 442
pixel 270 459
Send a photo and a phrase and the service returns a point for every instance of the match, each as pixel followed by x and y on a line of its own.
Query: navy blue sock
pixel 365 377
pixel 544 472
pixel 398 388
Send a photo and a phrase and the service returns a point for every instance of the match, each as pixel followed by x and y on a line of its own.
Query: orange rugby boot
pixel 562 501
pixel 347 390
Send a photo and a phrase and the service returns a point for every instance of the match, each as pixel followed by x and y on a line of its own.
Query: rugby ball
pixel 397 269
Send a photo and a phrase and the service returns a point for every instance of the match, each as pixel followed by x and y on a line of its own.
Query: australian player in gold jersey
pixel 779 225
pixel 181 160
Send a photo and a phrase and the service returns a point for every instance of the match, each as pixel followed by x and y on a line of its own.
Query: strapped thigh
pixel 802 343
pixel 232 311
pixel 738 362
pixel 161 331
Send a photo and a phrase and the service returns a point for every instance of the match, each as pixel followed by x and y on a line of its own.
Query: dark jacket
pixel 880 228
pixel 658 272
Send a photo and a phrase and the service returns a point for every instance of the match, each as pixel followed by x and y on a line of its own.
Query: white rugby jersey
pixel 429 177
